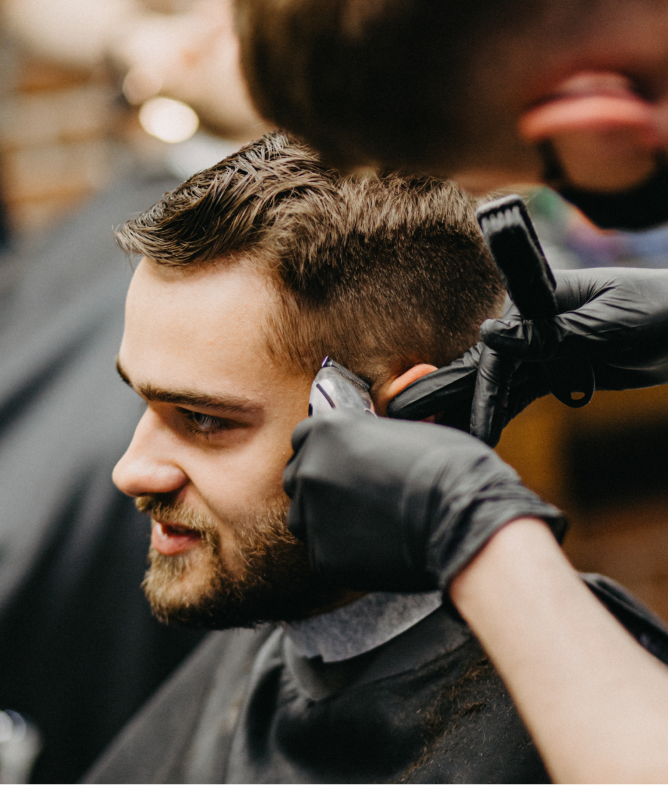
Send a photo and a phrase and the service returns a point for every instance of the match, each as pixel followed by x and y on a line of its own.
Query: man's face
pixel 207 457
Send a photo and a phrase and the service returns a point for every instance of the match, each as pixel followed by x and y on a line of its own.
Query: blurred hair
pixel 380 273
pixel 369 82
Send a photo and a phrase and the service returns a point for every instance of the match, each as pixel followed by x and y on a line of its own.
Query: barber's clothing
pixel 425 706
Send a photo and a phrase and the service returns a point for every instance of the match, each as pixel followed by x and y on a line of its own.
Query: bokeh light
pixel 168 120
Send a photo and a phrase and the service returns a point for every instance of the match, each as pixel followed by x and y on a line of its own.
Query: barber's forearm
pixel 595 702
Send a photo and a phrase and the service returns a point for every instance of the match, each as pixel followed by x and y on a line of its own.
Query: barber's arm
pixel 616 318
pixel 594 701
pixel 389 505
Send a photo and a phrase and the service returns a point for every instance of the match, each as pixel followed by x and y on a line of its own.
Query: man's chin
pixel 175 585
pixel 192 589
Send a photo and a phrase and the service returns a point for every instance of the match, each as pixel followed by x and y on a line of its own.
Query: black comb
pixel 512 240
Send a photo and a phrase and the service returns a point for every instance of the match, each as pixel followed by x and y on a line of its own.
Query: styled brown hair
pixel 380 273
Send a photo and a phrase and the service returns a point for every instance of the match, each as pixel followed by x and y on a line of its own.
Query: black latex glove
pixel 398 506
pixel 617 318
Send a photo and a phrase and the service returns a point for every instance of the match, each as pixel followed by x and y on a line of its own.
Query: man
pixel 253 271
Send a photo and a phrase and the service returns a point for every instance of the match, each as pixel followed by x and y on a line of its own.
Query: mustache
pixel 167 510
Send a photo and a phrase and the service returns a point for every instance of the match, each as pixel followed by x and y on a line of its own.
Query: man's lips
pixel 595 113
pixel 603 133
pixel 596 101
pixel 172 538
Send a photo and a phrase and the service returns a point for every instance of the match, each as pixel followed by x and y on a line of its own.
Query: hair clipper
pixel 336 388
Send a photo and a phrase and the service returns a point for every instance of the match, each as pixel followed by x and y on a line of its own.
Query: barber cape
pixel 425 706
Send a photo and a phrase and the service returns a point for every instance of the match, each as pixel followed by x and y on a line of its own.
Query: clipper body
pixel 336 388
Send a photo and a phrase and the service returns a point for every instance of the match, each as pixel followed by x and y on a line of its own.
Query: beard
pixel 275 581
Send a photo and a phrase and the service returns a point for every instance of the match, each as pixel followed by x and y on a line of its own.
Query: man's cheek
pixel 263 470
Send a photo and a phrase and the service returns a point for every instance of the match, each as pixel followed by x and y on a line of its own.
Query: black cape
pixel 425 707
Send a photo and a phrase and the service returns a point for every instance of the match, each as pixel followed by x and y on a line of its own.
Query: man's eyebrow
pixel 233 404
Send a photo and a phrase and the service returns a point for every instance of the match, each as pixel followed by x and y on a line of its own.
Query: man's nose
pixel 148 466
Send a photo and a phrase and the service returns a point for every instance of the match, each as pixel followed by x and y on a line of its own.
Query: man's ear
pixel 392 387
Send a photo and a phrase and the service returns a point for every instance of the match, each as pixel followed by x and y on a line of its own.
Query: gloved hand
pixel 398 506
pixel 617 318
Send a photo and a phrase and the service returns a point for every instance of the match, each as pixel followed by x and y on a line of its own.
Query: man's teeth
pixel 175 530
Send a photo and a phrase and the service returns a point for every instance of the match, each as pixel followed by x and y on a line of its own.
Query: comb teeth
pixel 512 240
pixel 498 219
pixel 508 212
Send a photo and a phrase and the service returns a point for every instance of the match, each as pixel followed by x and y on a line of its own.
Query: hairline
pixel 266 270
pixel 309 320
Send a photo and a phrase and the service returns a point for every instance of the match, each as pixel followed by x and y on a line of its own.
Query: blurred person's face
pixel 375 84
pixel 74 33
pixel 592 78
pixel 207 457
pixel 186 49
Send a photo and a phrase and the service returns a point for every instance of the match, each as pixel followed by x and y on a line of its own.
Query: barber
pixel 571 94
pixel 443 511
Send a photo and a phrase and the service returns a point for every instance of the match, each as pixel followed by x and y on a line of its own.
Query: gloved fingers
pixel 297 520
pixel 615 315
pixel 574 289
pixel 448 390
pixel 526 339
pixel 290 477
pixel 397 506
pixel 562 346
pixel 489 412
pixel 529 383
pixel 587 302
pixel 300 433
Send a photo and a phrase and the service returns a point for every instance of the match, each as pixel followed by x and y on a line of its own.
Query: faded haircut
pixel 380 273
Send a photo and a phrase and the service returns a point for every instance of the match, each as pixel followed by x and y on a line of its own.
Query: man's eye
pixel 205 423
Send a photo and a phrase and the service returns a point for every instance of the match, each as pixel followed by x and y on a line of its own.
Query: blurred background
pixel 89 85
pixel 104 105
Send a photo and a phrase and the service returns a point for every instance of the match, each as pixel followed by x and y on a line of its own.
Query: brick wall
pixel 56 137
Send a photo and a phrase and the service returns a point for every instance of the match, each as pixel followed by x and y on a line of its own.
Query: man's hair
pixel 372 82
pixel 380 273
